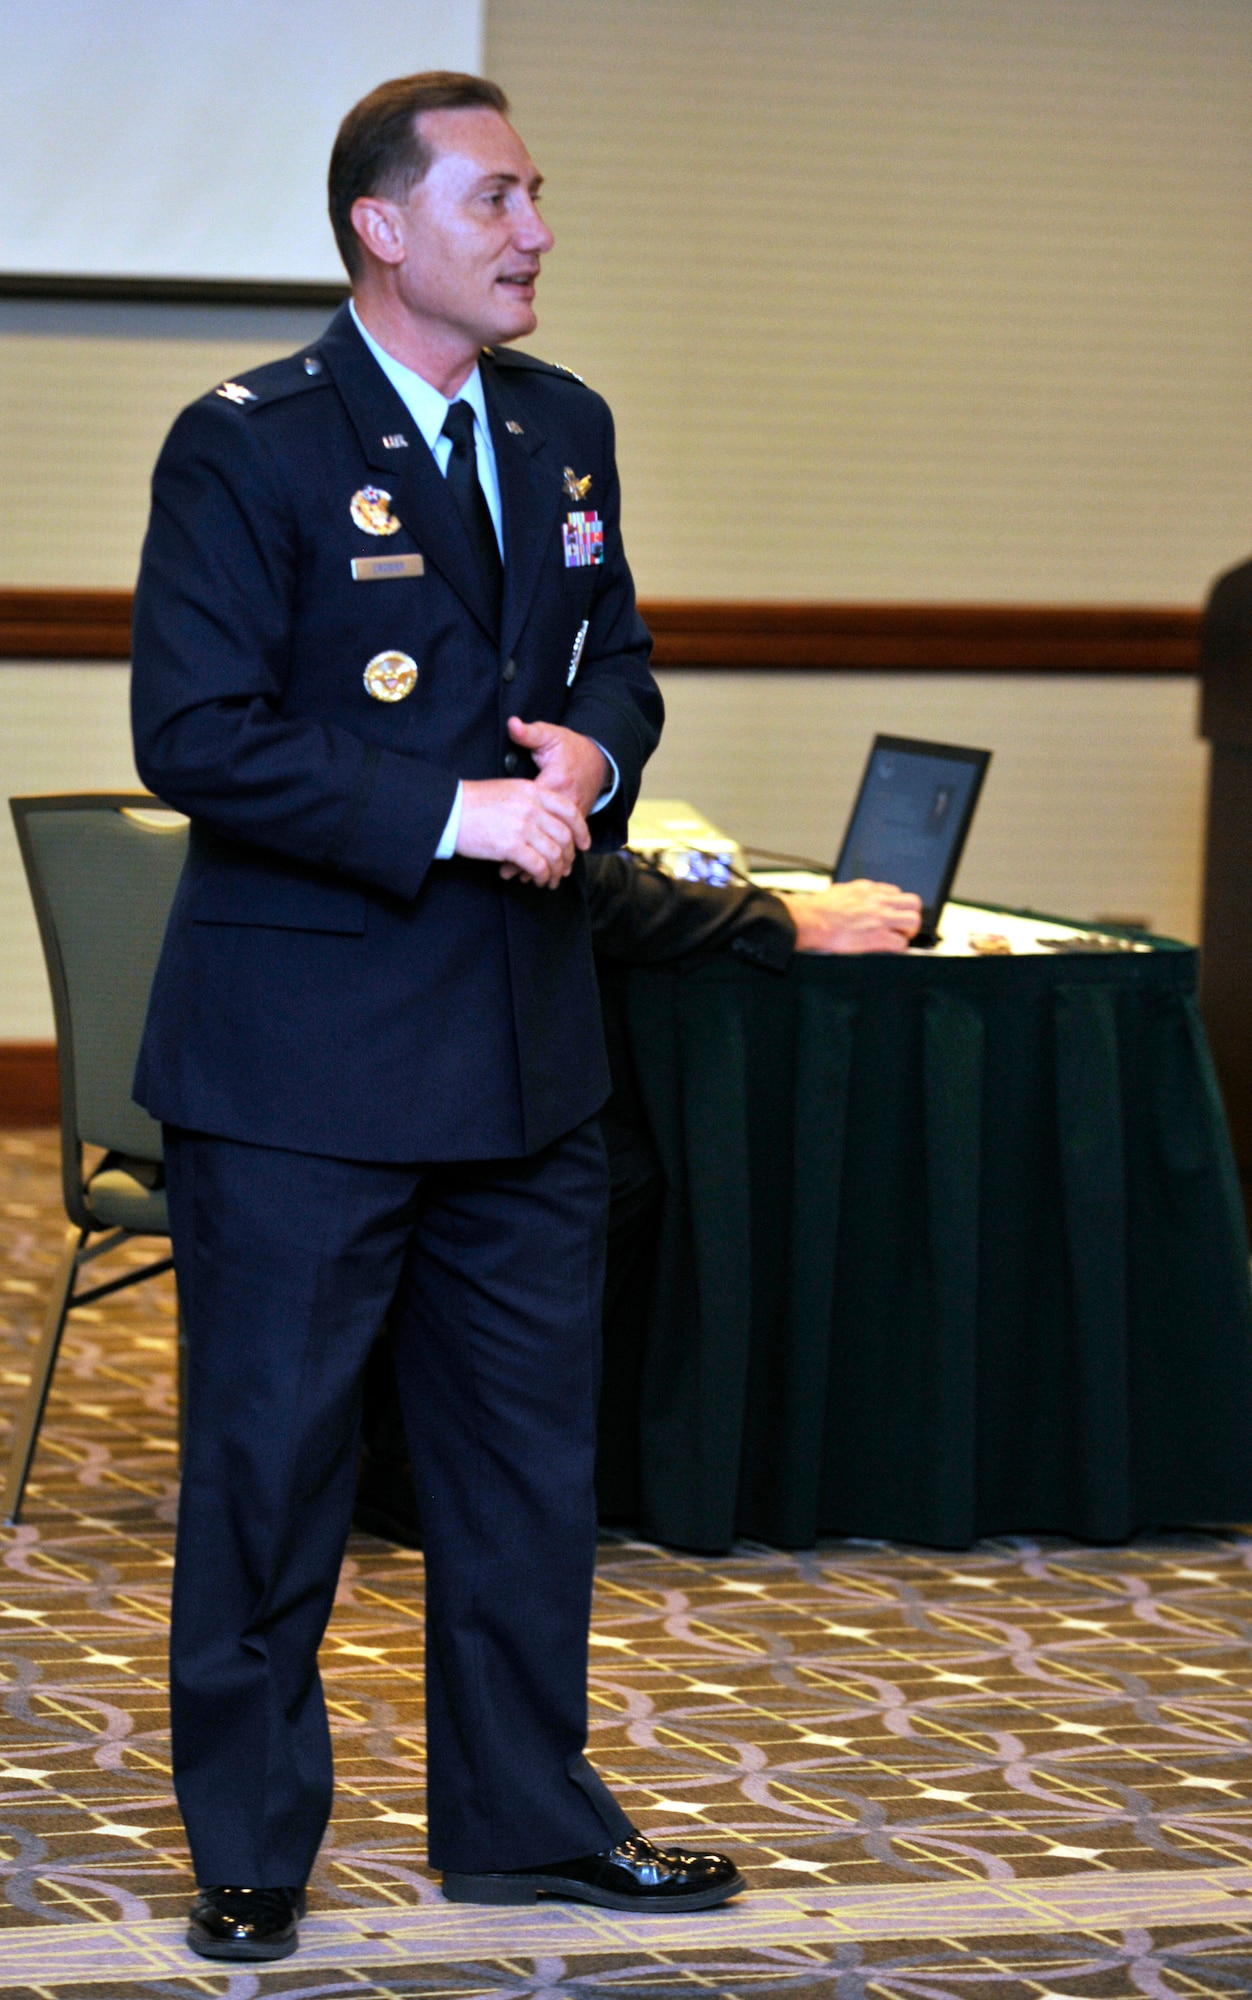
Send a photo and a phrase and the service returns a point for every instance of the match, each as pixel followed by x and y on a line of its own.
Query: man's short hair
pixel 380 150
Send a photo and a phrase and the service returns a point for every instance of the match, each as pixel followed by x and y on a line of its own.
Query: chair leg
pixel 26 1431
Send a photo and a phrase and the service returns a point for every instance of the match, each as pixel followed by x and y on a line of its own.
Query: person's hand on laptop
pixel 854 917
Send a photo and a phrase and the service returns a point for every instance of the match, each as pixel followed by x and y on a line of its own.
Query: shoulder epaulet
pixel 509 357
pixel 273 381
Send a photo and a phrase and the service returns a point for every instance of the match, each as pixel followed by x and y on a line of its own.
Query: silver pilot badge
pixel 390 676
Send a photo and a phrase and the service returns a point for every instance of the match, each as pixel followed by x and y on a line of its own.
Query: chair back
pixel 102 868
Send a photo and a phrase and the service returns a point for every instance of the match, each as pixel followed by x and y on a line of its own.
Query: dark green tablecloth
pixel 949 1247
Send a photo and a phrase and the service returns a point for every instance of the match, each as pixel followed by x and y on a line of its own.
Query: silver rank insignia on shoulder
pixel 390 676
pixel 576 488
pixel 395 441
pixel 370 511
pixel 234 392
pixel 511 424
pixel 575 658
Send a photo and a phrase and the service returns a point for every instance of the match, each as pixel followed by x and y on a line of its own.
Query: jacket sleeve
pixel 640 916
pixel 615 699
pixel 1226 660
pixel 211 657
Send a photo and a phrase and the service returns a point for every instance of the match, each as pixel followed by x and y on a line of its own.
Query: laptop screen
pixel 911 816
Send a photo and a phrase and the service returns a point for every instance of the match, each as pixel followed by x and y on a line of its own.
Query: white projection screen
pixel 188 139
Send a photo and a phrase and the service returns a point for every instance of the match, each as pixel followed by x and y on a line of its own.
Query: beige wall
pixel 87 392
pixel 905 299
pixel 892 299
pixel 62 729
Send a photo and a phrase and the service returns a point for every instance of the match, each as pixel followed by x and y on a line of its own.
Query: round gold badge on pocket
pixel 390 676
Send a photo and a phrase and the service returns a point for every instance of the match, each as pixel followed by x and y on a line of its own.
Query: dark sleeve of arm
pixel 640 916
pixel 1226 658
pixel 614 699
pixel 212 659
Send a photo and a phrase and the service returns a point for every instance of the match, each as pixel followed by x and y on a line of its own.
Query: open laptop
pixel 911 819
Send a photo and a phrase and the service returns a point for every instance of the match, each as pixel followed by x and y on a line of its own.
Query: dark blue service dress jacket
pixel 326 985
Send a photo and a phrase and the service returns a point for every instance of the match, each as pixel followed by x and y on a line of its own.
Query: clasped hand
pixel 534 826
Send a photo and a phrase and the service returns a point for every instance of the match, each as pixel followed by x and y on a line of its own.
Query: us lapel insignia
pixel 511 424
pixel 369 509
pixel 576 488
pixel 390 676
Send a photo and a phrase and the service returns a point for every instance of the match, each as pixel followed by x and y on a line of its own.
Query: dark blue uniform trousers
pixel 286 1265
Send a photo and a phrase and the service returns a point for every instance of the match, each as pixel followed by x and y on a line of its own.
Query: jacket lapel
pixel 530 496
pixel 419 493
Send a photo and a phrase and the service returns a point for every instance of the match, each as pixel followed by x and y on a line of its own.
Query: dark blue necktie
pixel 471 501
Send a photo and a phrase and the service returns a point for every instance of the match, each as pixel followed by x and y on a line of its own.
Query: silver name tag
pixel 376 569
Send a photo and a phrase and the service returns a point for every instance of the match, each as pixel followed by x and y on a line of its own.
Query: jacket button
pixel 511 761
pixel 510 670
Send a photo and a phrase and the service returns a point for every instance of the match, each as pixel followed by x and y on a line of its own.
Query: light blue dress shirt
pixel 428 410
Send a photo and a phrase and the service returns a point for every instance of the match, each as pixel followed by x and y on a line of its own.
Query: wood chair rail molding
pixel 823 638
pixel 65 624
pixel 30 1093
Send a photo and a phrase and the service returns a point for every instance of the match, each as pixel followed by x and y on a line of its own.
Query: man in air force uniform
pixel 387 659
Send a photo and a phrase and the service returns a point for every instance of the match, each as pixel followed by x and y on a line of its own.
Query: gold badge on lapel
pixel 390 676
pixel 369 509
pixel 576 488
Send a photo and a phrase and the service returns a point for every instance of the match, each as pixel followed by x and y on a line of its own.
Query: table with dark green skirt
pixel 949 1247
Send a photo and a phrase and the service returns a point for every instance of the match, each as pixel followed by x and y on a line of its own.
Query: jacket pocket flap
pixel 233 886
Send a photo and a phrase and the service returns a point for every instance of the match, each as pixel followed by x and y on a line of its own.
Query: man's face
pixel 470 232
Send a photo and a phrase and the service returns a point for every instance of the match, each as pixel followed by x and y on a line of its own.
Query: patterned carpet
pixel 1021 1773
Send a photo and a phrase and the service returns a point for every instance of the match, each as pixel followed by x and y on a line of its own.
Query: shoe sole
pixel 529 1889
pixel 237 1949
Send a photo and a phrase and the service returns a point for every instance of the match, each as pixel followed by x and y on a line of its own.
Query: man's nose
pixel 532 232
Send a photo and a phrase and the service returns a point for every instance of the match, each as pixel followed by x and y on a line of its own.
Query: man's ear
pixel 377 223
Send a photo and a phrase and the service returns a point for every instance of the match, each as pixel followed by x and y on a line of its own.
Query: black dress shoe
pixel 245 1923
pixel 634 1875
